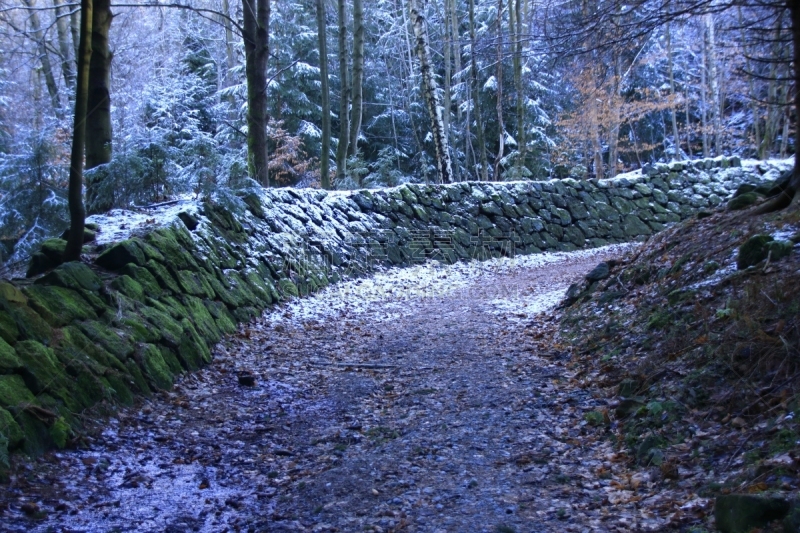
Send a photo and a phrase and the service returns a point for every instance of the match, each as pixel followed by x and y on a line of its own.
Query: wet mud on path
pixel 427 399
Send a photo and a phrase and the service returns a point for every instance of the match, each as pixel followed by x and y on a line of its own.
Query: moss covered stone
pixel 164 278
pixel 72 275
pixel 14 393
pixel 59 306
pixel 753 251
pixel 171 358
pixel 42 369
pixel 11 294
pixel 121 254
pixel 288 288
pixel 59 433
pixel 165 240
pixel 9 362
pixel 129 287
pixel 224 319
pixel 28 322
pixel 121 384
pixel 169 330
pixel 144 278
pixel 75 344
pixel 634 227
pixel 116 342
pixel 742 201
pixel 261 288
pixel 9 428
pixel 741 513
pixel 155 368
pixel 137 377
pixel 202 319
pixel 194 283
pixel 193 351
pixel 176 309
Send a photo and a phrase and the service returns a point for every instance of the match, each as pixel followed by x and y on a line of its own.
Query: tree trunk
pixel 703 100
pixel 77 213
pixel 676 139
pixel 62 28
pixel 98 117
pixel 230 54
pixel 44 57
pixel 256 50
pixel 356 110
pixel 325 153
pixel 501 141
pixel 476 101
pixel 515 26
pixel 344 100
pixel 440 143
pixel 713 82
pixel 456 39
pixel 448 65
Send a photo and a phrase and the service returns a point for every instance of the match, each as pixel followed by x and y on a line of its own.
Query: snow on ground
pixel 120 224
pixel 436 280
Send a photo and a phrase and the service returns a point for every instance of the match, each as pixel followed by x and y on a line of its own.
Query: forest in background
pixel 526 89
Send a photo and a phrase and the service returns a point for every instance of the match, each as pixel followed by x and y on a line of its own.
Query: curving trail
pixel 429 399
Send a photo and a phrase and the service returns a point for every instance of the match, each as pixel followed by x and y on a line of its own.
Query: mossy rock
pixel 75 344
pixel 137 377
pixel 11 294
pixel 54 249
pixel 165 240
pixel 59 306
pixel 223 292
pixel 129 287
pixel 246 314
pixel 72 275
pixel 261 288
pixel 633 226
pixel 14 393
pixel 121 384
pixel 194 283
pixel 744 188
pixel 170 357
pixel 89 234
pixel 155 368
pixel 9 362
pixel 741 513
pixel 28 322
pixel 753 251
pixel 121 254
pixel 253 202
pixel 222 317
pixel 168 329
pixel 288 288
pixel 144 278
pixel 37 434
pixel 164 278
pixel 41 368
pixel 189 220
pixel 742 201
pixel 140 329
pixel 176 309
pixel 239 290
pixel 59 433
pixel 39 264
pixel 116 342
pixel 202 319
pixel 193 352
pixel 9 428
pixel 779 249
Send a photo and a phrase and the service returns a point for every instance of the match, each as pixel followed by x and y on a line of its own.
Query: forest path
pixel 427 399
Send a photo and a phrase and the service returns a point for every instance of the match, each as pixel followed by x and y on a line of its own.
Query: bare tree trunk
pixel 344 100
pixel 597 147
pixel 713 78
pixel 230 54
pixel 409 92
pixel 448 69
pixel 77 213
pixel 75 30
pixel 515 25
pixel 501 129
pixel 356 111
pixel 457 59
pixel 256 50
pixel 677 139
pixel 441 146
pixel 44 57
pixel 751 84
pixel 476 101
pixel 64 49
pixel 688 122
pixel 703 103
pixel 325 153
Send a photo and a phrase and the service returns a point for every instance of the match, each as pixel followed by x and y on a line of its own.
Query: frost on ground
pixel 375 408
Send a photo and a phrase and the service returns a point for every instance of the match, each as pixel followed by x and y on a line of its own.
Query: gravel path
pixel 429 399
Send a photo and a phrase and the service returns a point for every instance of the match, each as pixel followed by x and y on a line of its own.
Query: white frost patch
pixel 392 287
pixel 120 224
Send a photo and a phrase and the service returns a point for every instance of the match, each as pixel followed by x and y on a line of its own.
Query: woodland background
pixel 530 89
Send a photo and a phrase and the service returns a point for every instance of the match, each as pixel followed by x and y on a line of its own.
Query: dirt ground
pixel 377 406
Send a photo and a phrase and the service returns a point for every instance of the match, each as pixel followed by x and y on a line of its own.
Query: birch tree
pixel 441 146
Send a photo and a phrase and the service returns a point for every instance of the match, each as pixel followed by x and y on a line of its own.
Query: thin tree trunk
pixel 688 122
pixel 75 30
pixel 448 66
pixel 62 28
pixel 356 110
pixel 476 101
pixel 703 104
pixel 256 50
pixel 77 213
pixel 456 39
pixel 409 92
pixel 230 54
pixel 344 100
pixel 676 138
pixel 325 155
pixel 44 57
pixel 751 84
pixel 515 25
pixel 441 146
pixel 501 141
pixel 713 78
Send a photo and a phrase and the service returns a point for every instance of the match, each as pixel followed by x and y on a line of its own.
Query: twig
pixel 367 366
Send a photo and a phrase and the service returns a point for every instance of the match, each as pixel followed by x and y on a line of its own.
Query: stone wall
pixel 153 305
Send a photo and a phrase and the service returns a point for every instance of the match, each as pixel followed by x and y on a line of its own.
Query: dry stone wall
pixel 152 306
